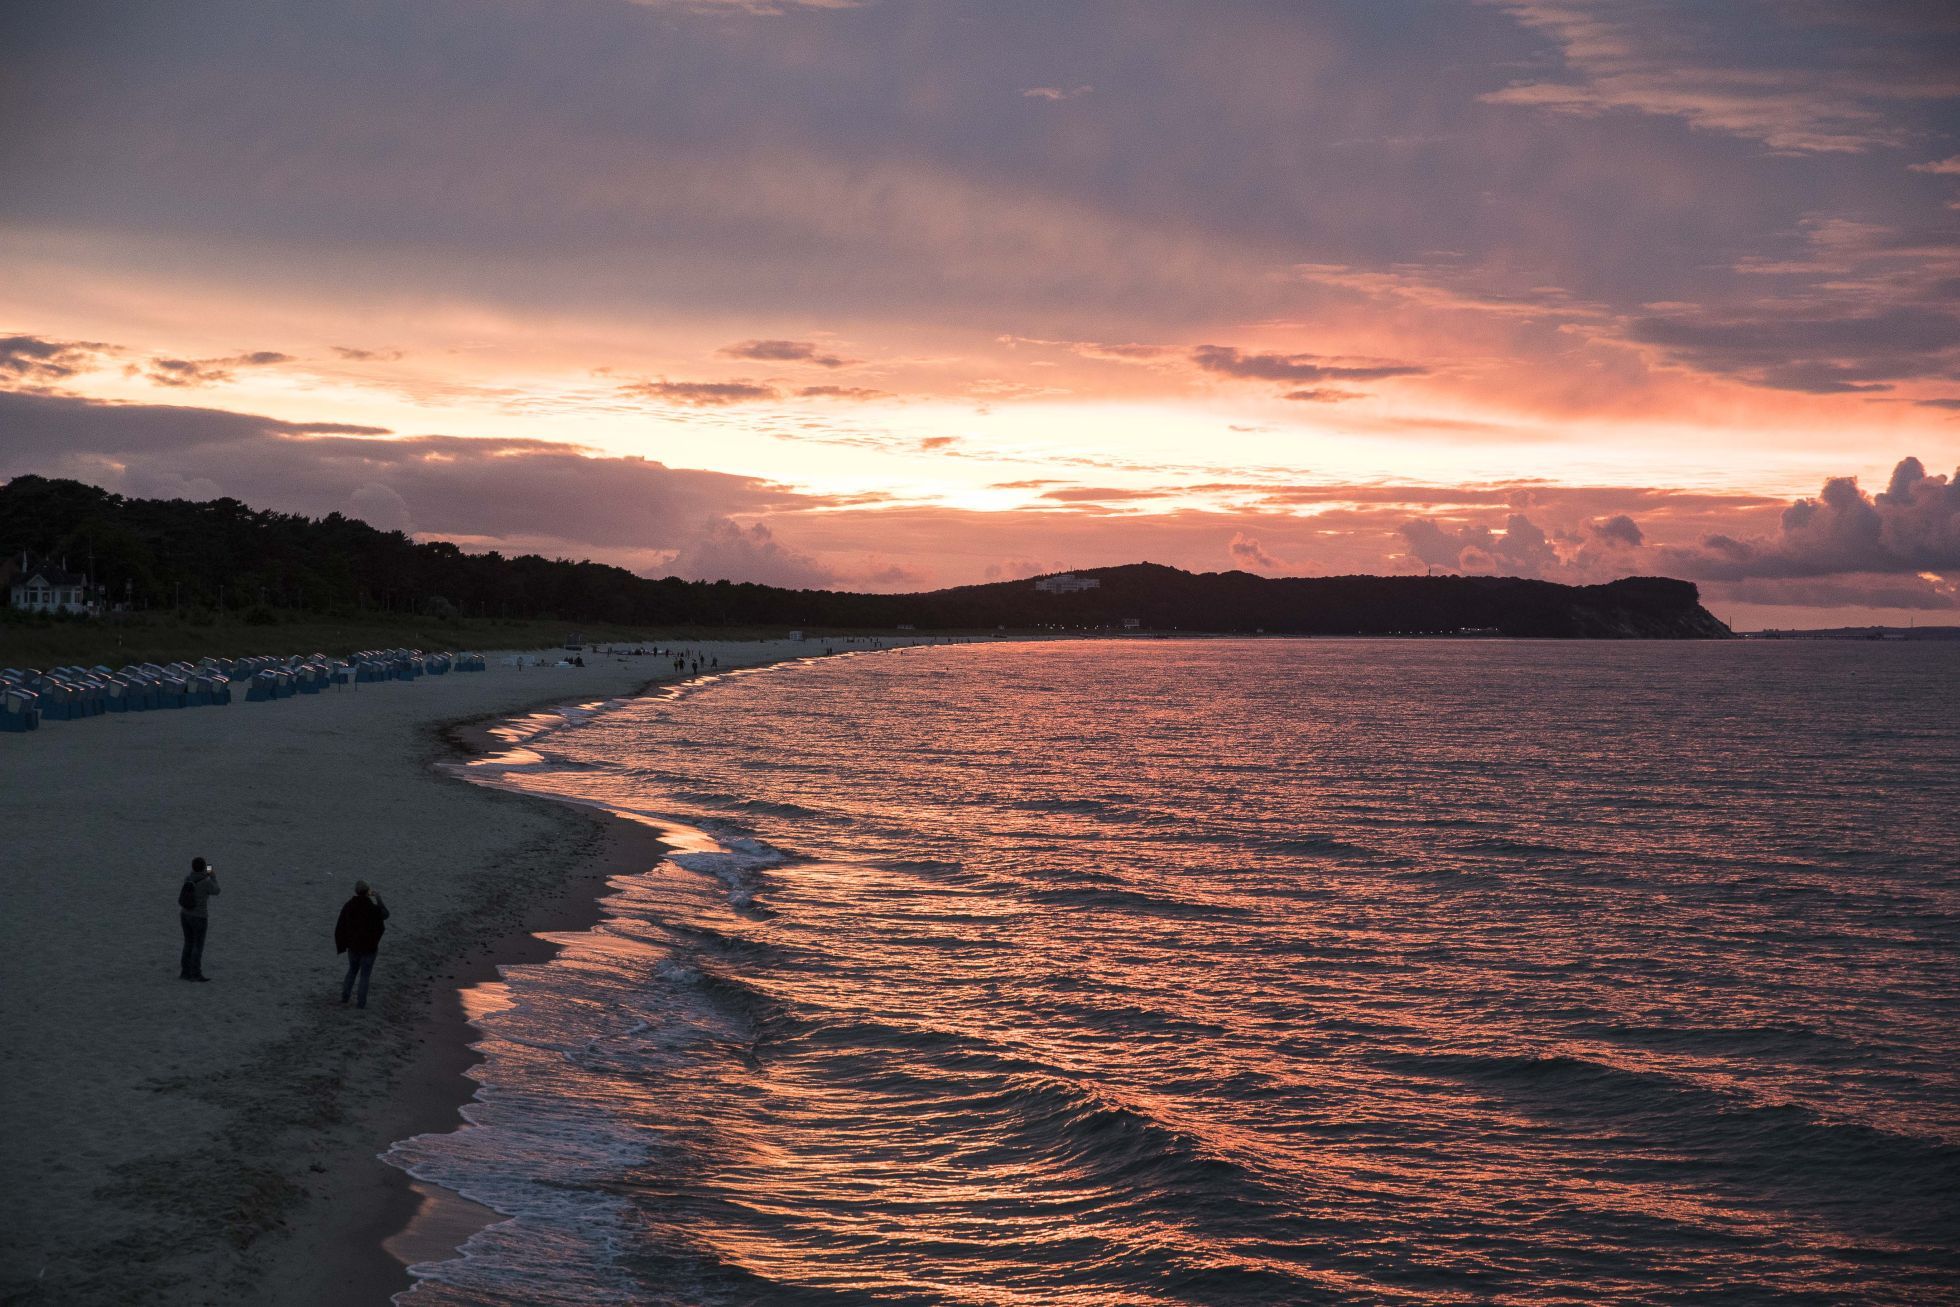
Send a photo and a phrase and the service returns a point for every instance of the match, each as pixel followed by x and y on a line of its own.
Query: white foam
pixel 738 865
pixel 676 972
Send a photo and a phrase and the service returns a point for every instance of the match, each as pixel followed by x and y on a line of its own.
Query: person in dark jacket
pixel 358 935
pixel 194 915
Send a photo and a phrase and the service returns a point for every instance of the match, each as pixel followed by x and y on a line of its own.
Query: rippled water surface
pixel 1246 972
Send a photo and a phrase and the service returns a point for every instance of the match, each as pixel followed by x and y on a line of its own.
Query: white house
pixel 1067 583
pixel 41 587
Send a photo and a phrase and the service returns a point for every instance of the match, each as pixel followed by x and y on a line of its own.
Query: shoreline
pixel 384 1219
pixel 220 1143
pixel 366 1258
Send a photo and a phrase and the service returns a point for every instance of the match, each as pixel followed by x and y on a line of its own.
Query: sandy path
pixel 156 1130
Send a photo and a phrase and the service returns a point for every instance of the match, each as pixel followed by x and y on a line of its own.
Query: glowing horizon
pixel 897 295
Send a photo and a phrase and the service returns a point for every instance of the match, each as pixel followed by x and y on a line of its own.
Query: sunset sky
pixel 911 293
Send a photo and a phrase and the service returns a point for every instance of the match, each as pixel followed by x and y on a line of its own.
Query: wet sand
pixel 373 1221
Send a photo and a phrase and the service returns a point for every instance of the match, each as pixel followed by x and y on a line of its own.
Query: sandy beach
pixel 171 1142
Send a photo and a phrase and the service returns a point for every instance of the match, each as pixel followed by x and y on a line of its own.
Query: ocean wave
pixel 543 1168
pixel 1776 1152
pixel 739 865
pixel 1108 992
pixel 1131 900
pixel 1315 846
pixel 1509 845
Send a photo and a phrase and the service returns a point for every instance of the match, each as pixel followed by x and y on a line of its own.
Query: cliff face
pixel 1645 608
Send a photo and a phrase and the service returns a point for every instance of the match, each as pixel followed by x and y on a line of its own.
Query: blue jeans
pixel 357 964
pixel 192 962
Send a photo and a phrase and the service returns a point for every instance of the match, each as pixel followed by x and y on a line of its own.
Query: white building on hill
pixel 1067 583
pixel 41 587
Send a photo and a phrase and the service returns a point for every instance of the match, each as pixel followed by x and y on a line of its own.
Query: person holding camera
pixel 194 915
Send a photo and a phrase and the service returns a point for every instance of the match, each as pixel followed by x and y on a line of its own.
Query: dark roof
pixel 49 573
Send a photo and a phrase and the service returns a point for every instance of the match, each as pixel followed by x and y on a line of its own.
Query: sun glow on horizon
pixel 958 328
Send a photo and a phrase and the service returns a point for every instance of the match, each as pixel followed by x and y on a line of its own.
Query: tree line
pixel 222 554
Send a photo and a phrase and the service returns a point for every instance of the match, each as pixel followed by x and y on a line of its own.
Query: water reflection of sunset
pixel 1241 972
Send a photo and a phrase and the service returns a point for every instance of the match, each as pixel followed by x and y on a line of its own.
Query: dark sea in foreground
pixel 1246 972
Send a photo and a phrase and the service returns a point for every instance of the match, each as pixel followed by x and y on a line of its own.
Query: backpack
pixel 186 897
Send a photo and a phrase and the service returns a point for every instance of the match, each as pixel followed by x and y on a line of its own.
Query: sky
pixel 903 294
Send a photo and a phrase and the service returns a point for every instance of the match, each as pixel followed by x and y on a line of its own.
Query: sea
pixel 1242 972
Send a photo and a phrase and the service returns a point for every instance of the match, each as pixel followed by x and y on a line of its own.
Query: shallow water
pixel 1245 972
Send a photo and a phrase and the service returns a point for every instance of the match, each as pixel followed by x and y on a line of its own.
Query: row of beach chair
pixel 28 696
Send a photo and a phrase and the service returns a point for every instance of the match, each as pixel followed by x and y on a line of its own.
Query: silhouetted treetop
pixel 162 552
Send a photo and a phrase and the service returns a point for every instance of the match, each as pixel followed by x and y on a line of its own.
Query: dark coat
pixel 362 920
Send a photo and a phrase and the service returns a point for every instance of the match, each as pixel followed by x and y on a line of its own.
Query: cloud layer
pixel 1897 548
pixel 1291 287
pixel 504 492
pixel 1911 526
pixel 785 351
pixel 1845 547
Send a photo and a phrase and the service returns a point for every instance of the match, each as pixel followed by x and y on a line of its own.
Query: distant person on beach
pixel 194 914
pixel 358 935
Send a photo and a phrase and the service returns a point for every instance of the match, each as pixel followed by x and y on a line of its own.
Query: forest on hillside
pixel 222 555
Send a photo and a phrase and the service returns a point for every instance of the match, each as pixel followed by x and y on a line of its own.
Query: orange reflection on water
pixel 1253 973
